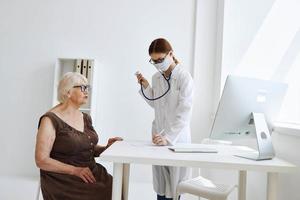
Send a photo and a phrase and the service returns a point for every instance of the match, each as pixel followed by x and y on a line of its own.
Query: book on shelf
pixel 77 66
pixel 84 68
pixel 89 71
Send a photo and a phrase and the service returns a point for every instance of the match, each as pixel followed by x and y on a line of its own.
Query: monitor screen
pixel 241 97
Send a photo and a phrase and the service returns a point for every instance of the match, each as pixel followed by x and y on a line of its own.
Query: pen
pixel 137 73
pixel 161 132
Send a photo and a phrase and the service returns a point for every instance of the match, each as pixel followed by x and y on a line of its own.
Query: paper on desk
pixel 145 144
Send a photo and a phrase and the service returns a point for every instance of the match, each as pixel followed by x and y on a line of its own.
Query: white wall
pixel 205 73
pixel 288 147
pixel 117 33
pixel 33 34
pixel 242 22
pixel 243 25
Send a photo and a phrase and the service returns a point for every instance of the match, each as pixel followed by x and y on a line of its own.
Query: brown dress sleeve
pixel 51 117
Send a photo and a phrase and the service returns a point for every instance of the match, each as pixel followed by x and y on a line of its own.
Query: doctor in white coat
pixel 171 97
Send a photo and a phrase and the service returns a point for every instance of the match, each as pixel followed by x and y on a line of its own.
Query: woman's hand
pixel 113 140
pixel 142 80
pixel 85 174
pixel 159 140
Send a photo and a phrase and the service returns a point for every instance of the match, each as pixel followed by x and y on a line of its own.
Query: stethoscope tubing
pixel 153 99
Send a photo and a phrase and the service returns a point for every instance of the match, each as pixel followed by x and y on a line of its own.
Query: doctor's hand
pixel 113 140
pixel 142 80
pixel 159 140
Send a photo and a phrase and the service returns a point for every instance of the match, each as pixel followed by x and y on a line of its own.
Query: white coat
pixel 172 114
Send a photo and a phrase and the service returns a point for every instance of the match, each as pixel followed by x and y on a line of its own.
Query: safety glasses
pixel 159 60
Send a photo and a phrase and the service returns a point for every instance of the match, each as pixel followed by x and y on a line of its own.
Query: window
pixel 261 39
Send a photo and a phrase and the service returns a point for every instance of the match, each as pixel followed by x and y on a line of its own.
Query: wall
pixel 287 147
pixel 34 34
pixel 255 23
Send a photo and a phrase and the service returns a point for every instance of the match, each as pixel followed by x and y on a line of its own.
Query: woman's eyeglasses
pixel 83 88
pixel 159 60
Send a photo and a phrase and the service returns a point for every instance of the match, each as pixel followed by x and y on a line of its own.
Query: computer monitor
pixel 247 110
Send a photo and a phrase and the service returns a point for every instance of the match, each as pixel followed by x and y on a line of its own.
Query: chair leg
pixel 177 195
pixel 38 191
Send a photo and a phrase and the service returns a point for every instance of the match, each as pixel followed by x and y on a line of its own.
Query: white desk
pixel 122 154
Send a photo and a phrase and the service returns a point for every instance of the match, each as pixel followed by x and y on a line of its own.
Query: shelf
pixel 86 67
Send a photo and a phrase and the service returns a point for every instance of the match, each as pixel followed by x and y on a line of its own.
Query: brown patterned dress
pixel 75 148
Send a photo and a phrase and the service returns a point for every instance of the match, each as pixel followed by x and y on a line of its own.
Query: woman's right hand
pixel 142 80
pixel 85 174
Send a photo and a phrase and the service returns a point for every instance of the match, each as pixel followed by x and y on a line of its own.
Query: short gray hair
pixel 67 82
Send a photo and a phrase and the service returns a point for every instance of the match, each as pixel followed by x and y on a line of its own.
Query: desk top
pixel 137 152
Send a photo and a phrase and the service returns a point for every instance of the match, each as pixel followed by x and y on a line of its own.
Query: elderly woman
pixel 66 146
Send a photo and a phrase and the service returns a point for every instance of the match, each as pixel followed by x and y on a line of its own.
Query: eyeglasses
pixel 159 60
pixel 83 88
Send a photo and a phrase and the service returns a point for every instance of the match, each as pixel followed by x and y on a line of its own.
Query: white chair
pixel 205 188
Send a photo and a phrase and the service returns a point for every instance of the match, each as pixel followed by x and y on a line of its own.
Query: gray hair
pixel 67 82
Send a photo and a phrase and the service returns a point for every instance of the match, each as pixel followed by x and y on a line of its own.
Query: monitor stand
pixel 263 137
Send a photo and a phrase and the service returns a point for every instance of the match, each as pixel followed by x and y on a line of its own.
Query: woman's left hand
pixel 113 140
pixel 159 140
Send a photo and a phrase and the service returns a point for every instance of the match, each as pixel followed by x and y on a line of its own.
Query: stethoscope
pixel 169 86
